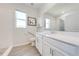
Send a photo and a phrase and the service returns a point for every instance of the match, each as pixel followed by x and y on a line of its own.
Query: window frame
pixel 45 24
pixel 20 19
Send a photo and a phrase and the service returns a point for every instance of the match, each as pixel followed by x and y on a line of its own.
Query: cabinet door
pixel 49 50
pixel 46 50
pixel 57 53
pixel 39 43
pixel 40 46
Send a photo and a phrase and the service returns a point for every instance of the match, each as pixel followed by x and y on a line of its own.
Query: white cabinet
pixel 48 46
pixel 67 48
pixel 57 53
pixel 47 51
pixel 39 43
pixel 44 46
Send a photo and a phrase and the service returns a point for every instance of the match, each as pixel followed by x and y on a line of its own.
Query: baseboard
pixel 7 51
pixel 24 43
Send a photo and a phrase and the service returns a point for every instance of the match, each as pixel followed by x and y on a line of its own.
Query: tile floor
pixel 2 51
pixel 25 50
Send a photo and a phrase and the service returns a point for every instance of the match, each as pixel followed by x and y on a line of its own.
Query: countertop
pixel 66 37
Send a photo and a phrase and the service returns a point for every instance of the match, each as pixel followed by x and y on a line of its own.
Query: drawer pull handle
pixel 52 52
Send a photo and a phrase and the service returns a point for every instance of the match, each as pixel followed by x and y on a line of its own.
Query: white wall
pixel 6 29
pixel 45 8
pixel 42 11
pixel 52 21
pixel 71 21
pixel 21 35
pixel 9 34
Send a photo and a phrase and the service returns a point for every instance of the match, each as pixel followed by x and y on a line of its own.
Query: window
pixel 20 19
pixel 47 23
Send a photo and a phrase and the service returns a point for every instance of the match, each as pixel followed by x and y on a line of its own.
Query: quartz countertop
pixel 66 37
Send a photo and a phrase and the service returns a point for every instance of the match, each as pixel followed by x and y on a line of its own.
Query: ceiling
pixel 57 10
pixel 62 8
pixel 35 5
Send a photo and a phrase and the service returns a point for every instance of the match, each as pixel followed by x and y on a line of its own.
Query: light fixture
pixel 31 4
pixel 63 12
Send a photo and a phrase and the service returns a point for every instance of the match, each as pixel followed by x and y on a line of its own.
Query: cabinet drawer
pixel 39 36
pixel 46 50
pixel 70 49
pixel 52 51
pixel 39 43
pixel 57 53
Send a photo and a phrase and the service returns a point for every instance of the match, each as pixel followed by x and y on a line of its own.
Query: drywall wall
pixel 9 34
pixel 42 12
pixel 52 21
pixel 21 35
pixel 6 29
pixel 71 21
pixel 45 8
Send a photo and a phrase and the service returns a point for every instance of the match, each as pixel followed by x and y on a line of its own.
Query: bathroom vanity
pixel 63 20
pixel 57 43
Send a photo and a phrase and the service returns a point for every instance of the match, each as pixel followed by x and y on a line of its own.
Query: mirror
pixel 64 17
